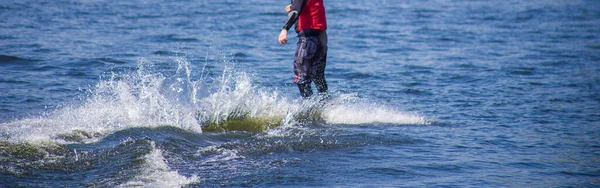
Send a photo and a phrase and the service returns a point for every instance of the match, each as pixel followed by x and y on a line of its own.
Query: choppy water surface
pixel 424 93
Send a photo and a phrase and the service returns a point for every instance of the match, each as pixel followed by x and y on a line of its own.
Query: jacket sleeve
pixel 296 8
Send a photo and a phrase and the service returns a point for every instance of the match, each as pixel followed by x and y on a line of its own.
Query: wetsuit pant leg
pixel 320 64
pixel 304 72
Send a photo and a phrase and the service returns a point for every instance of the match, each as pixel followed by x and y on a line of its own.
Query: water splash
pixel 152 96
pixel 143 98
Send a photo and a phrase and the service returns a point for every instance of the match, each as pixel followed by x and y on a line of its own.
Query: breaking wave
pixel 151 98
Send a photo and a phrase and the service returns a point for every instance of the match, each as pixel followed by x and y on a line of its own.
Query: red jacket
pixel 312 16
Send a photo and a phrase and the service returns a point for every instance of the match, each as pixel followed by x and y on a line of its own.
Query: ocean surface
pixel 423 93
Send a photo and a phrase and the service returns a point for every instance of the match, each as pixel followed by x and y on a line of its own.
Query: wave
pixel 366 113
pixel 156 173
pixel 122 160
pixel 230 102
pixel 10 59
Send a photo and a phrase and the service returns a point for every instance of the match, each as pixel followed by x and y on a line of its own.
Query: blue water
pixel 424 93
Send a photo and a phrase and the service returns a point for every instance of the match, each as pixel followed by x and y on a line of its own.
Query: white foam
pixel 156 173
pixel 222 154
pixel 369 114
pixel 347 110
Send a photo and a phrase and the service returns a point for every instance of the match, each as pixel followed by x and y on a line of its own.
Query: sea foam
pixel 156 173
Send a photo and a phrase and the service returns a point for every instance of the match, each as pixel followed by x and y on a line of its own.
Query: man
pixel 311 50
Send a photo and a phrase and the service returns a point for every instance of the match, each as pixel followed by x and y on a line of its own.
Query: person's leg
pixel 319 79
pixel 303 73
pixel 305 90
pixel 320 64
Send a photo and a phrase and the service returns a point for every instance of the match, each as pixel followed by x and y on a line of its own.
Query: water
pixel 424 93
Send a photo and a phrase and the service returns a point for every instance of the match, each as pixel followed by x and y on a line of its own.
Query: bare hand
pixel 283 36
pixel 288 8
